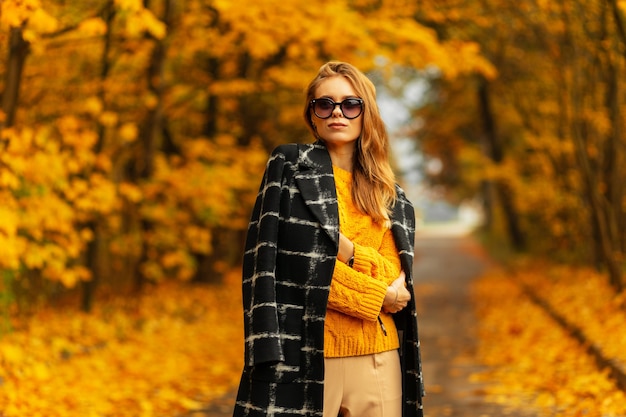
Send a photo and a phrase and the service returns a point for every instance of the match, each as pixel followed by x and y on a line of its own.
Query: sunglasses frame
pixel 335 104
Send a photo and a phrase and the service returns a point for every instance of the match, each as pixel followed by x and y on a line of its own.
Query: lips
pixel 337 125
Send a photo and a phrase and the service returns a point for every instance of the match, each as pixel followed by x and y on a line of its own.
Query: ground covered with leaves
pixel 533 360
pixel 179 347
pixel 171 350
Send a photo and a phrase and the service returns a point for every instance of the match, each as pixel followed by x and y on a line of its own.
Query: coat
pixel 290 253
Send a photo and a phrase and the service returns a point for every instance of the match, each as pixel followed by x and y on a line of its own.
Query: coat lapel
pixel 403 230
pixel 316 184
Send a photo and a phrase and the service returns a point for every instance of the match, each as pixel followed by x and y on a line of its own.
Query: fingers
pixel 404 296
pixel 399 282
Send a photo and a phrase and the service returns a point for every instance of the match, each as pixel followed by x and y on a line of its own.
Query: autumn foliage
pixel 542 143
pixel 171 350
pixel 535 363
pixel 133 134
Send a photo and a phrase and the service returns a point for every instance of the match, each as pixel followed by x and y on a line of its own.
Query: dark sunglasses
pixel 351 108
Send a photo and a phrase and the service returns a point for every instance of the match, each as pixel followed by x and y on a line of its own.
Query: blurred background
pixel 134 133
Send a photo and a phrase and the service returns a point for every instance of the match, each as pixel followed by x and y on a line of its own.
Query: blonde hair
pixel 373 191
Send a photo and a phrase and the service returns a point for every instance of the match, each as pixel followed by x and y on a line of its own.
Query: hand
pixel 397 296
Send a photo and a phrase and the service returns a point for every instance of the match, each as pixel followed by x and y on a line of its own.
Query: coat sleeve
pixel 261 325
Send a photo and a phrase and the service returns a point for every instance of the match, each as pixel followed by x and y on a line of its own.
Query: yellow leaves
pixel 192 194
pixel 76 135
pixel 108 118
pixel 8 221
pixel 232 87
pixel 10 355
pixel 199 239
pixel 139 20
pixel 165 353
pixel 467 59
pixel 73 160
pixel 474 163
pixel 129 5
pixel 69 277
pixel 100 197
pixel 533 360
pixel 94 106
pixel 46 193
pixel 14 12
pixel 28 14
pixel 92 27
pixel 130 191
pixel 11 245
pixel 359 35
pixel 602 312
pixel 9 180
pixel 129 132
pixel 39 22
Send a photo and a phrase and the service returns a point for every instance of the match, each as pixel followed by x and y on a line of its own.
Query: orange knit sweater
pixel 356 296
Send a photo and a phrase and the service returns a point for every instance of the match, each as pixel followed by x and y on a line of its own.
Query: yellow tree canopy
pixel 548 130
pixel 142 127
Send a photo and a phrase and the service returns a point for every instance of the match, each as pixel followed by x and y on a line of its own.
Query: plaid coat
pixel 288 263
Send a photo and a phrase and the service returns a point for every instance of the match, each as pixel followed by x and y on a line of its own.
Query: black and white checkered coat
pixel 289 258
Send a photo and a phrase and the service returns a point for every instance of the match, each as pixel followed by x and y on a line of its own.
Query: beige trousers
pixel 363 386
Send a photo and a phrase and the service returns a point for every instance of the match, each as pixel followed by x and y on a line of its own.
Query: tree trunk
pixel 619 23
pixel 495 152
pixel 599 206
pixel 603 211
pixel 94 247
pixel 614 176
pixel 152 127
pixel 18 51
pixel 600 216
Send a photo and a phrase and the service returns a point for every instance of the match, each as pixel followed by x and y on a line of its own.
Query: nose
pixel 337 108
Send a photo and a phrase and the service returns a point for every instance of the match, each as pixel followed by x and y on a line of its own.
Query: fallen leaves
pixel 169 351
pixel 533 360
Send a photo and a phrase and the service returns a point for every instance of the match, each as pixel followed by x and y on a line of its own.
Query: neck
pixel 342 155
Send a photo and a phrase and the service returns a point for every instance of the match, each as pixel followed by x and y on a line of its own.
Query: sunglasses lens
pixel 351 108
pixel 323 108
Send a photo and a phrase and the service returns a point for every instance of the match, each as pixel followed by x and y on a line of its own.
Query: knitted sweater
pixel 352 325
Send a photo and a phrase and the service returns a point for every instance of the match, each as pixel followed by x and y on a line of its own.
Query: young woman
pixel 330 324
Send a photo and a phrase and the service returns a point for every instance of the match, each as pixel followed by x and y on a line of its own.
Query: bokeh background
pixel 133 135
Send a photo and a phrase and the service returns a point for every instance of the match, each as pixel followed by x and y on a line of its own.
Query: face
pixel 337 129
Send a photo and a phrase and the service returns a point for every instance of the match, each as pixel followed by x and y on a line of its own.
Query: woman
pixel 330 324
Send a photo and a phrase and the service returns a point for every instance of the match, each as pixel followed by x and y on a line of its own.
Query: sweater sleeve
pixel 360 292
pixel 356 294
pixel 382 264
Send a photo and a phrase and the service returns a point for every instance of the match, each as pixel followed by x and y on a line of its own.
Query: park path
pixel 448 259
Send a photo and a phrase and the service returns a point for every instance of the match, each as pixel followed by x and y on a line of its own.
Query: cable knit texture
pixel 357 294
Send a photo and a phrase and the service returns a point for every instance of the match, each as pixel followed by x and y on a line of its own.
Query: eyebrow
pixel 342 98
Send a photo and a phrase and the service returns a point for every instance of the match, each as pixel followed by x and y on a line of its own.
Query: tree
pixel 553 114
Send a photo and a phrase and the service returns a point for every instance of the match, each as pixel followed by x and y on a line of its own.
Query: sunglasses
pixel 351 108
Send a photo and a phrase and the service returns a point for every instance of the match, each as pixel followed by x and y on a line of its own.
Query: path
pixel 447 261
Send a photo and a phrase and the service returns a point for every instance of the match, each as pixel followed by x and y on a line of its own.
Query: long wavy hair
pixel 373 180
